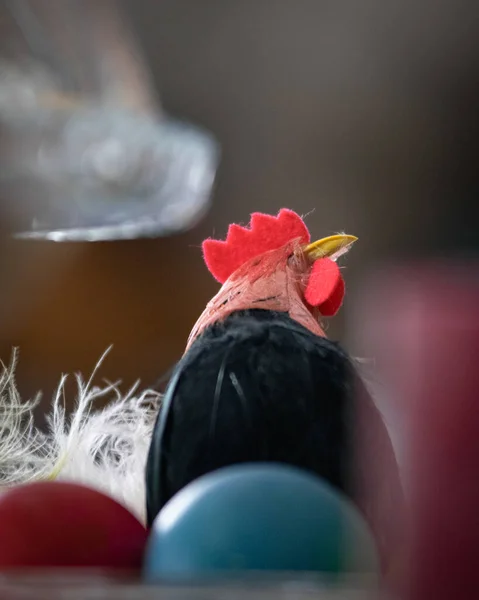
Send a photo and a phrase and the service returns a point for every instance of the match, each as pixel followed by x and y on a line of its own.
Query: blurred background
pixel 361 115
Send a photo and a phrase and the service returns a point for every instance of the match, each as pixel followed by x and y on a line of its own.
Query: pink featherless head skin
pixel 271 265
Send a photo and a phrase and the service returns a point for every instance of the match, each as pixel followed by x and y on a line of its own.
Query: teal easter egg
pixel 258 517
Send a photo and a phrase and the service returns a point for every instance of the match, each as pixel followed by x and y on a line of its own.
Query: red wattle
pixel 325 288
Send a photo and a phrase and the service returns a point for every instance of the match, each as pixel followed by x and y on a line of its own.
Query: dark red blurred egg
pixel 59 524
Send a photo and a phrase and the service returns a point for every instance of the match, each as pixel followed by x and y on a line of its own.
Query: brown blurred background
pixel 362 115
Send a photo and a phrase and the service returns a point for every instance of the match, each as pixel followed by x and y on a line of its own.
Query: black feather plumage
pixel 256 387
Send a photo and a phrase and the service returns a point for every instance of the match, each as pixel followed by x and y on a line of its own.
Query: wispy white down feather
pixel 105 449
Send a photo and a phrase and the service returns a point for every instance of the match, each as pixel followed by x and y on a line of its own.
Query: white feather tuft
pixel 105 449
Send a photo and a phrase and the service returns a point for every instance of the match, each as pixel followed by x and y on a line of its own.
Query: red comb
pixel 265 233
pixel 325 288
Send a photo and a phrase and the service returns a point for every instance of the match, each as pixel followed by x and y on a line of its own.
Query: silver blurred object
pixel 90 156
pixel 103 174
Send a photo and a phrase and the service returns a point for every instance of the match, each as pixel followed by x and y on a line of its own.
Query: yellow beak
pixel 332 247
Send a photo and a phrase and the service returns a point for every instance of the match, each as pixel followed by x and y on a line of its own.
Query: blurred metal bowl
pixel 99 174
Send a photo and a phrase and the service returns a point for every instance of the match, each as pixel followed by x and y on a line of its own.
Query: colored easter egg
pixel 59 524
pixel 258 517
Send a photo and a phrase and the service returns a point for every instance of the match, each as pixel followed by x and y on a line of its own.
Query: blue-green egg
pixel 258 517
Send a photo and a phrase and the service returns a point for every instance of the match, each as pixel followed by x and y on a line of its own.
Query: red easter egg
pixel 59 524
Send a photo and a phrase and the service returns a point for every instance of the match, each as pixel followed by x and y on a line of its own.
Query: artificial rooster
pixel 272 266
pixel 259 380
